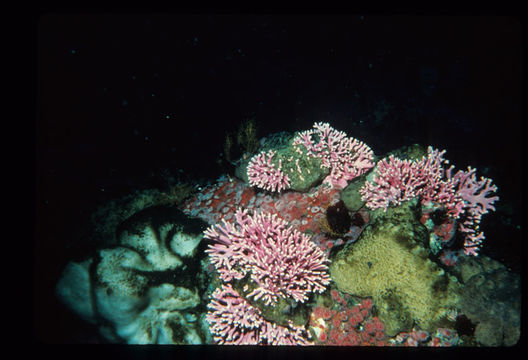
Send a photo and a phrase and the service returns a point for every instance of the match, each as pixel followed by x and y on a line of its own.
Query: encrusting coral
pixel 389 264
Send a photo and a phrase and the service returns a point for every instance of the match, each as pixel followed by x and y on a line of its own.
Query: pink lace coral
pixel 263 174
pixel 234 321
pixel 281 261
pixel 474 194
pixel 398 180
pixel 346 157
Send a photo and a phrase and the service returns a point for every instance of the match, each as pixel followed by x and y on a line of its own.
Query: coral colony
pixel 267 245
pixel 460 195
pixel 234 321
pixel 347 158
pixel 264 175
pixel 281 261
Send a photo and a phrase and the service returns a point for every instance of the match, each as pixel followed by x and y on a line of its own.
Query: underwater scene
pixel 278 179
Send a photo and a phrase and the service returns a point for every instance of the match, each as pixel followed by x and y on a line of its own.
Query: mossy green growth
pixel 351 195
pixel 279 313
pixel 413 152
pixel 304 171
pixel 241 170
pixel 390 264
